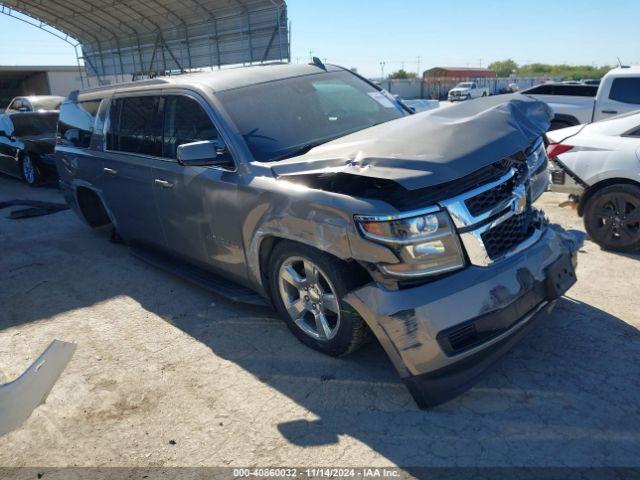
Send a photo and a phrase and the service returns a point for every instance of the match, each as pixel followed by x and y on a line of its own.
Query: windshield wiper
pixel 301 150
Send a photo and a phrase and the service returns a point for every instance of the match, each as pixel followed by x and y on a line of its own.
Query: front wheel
pixel 29 170
pixel 308 287
pixel 612 218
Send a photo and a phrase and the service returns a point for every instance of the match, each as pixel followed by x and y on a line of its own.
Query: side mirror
pixel 204 154
pixel 72 136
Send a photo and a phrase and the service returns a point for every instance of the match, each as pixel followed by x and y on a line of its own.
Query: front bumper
pixel 443 335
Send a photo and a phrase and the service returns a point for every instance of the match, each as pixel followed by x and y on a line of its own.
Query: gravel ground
pixel 167 374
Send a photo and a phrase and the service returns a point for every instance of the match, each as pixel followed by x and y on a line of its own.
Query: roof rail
pixel 135 83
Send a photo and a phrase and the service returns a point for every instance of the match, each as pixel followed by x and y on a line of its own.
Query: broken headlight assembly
pixel 538 163
pixel 426 244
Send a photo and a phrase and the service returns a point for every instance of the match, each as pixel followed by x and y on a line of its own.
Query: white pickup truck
pixel 467 91
pixel 619 92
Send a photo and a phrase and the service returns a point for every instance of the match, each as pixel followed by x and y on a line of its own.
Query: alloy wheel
pixel 309 298
pixel 28 170
pixel 617 219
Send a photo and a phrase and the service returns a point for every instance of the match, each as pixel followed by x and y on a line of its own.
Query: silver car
pixel 308 187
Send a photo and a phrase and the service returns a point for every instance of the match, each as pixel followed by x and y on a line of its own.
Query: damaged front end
pixel 477 264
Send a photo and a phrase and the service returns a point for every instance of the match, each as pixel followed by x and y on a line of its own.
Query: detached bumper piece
pixel 21 397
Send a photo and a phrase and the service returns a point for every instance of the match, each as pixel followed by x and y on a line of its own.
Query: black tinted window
pixel 76 122
pixel 185 122
pixel 626 90
pixel 135 126
pixel 34 124
pixel 571 90
pixel 280 119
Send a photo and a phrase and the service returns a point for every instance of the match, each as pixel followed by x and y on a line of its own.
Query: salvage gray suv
pixel 313 188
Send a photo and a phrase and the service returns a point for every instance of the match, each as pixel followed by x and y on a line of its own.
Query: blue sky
pixel 362 33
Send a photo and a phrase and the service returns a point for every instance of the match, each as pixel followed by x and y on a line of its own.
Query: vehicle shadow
pixel 566 395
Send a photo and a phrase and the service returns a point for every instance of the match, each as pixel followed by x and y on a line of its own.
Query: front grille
pixel 490 199
pixel 508 234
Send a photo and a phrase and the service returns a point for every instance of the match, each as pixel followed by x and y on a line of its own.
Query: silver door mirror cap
pixel 205 153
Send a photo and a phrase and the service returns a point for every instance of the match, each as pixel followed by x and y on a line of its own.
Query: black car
pixel 27 141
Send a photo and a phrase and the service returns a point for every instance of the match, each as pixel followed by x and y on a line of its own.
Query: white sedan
pixel 598 165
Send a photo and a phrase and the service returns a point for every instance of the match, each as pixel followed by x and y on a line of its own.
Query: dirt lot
pixel 168 375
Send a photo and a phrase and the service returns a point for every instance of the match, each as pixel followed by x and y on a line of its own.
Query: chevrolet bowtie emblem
pixel 519 200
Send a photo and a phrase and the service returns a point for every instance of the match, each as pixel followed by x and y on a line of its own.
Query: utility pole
pixel 419 61
pixel 480 63
pixel 382 64
pixel 311 55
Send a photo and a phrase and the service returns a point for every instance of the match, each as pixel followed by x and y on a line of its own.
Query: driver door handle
pixel 610 112
pixel 110 171
pixel 163 183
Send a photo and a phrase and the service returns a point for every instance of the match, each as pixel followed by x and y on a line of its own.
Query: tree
pixel 504 68
pixel 402 75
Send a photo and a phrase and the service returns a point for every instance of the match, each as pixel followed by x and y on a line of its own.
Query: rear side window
pixel 626 90
pixel 76 123
pixel 185 122
pixel 135 126
pixel 570 90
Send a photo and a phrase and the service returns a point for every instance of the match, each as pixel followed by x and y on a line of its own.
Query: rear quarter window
pixel 76 123
pixel 569 90
pixel 626 90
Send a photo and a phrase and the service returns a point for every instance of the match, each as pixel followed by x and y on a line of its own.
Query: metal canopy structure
pixel 145 38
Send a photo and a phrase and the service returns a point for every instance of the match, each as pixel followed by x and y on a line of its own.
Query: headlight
pixel 425 244
pixel 538 162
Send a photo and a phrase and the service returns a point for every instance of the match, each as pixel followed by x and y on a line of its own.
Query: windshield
pixel 287 117
pixel 38 124
pixel 464 85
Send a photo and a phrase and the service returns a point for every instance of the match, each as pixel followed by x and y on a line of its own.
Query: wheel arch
pixel 268 243
pixel 596 187
pixel 91 207
pixel 569 120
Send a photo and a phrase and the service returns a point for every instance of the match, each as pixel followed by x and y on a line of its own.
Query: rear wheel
pixel 29 170
pixel 308 287
pixel 612 218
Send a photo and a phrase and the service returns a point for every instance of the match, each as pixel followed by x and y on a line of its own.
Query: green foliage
pixel 504 68
pixel 565 72
pixel 402 75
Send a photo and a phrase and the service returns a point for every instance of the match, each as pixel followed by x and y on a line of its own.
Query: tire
pixel 29 171
pixel 347 330
pixel 612 218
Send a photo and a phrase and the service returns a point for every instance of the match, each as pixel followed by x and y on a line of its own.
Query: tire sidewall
pixel 36 173
pixel 341 343
pixel 590 219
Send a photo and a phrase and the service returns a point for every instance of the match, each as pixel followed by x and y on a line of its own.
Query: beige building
pixel 37 80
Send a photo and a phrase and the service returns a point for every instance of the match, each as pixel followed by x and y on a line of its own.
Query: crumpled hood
pixel 433 147
pixel 461 90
